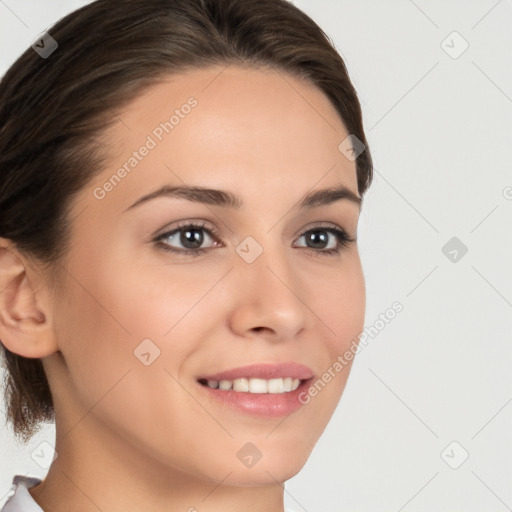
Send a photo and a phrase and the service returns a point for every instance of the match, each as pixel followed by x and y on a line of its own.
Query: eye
pixel 189 235
pixel 317 236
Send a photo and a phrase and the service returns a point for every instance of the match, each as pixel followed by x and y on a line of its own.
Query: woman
pixel 181 182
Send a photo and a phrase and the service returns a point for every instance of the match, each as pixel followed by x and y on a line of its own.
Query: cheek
pixel 112 309
pixel 342 307
pixel 102 324
pixel 341 304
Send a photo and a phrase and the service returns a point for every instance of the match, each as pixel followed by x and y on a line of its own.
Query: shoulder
pixel 19 499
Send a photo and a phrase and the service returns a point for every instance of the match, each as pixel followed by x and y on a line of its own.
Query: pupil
pixel 318 236
pixel 192 236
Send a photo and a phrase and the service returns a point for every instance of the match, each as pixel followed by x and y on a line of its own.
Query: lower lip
pixel 261 404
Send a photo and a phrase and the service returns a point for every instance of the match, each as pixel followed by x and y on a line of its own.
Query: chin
pixel 259 479
pixel 270 472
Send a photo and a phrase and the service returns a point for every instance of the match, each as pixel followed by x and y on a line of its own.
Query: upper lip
pixel 264 371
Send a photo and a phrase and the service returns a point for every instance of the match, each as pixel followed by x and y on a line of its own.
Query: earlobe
pixel 25 319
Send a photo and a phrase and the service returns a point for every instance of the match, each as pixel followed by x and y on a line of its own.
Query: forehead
pixel 241 90
pixel 230 127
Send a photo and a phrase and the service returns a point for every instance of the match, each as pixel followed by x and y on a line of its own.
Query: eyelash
pixel 341 235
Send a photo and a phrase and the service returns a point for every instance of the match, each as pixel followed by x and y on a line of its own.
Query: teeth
pixel 287 384
pixel 225 384
pixel 275 386
pixel 241 385
pixel 258 386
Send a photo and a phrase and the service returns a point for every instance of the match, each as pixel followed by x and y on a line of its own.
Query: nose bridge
pixel 271 285
pixel 267 262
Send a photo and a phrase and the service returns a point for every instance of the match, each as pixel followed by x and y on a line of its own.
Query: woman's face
pixel 138 326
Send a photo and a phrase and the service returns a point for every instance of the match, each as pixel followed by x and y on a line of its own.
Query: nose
pixel 271 299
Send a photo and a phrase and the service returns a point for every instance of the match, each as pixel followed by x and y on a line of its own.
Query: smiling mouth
pixel 255 385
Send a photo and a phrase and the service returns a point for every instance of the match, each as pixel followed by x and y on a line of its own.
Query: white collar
pixel 20 499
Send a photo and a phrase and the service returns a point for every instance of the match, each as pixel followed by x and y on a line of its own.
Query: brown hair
pixel 52 111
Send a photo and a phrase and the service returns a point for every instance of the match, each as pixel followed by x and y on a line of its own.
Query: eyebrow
pixel 229 200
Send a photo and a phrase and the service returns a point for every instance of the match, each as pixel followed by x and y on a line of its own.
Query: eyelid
pixel 198 223
pixel 326 225
pixel 319 224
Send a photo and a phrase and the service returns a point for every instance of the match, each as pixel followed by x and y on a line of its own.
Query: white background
pixel 439 129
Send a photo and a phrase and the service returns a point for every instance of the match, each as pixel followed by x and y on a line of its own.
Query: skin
pixel 131 437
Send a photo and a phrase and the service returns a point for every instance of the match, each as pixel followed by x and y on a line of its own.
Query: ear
pixel 25 319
